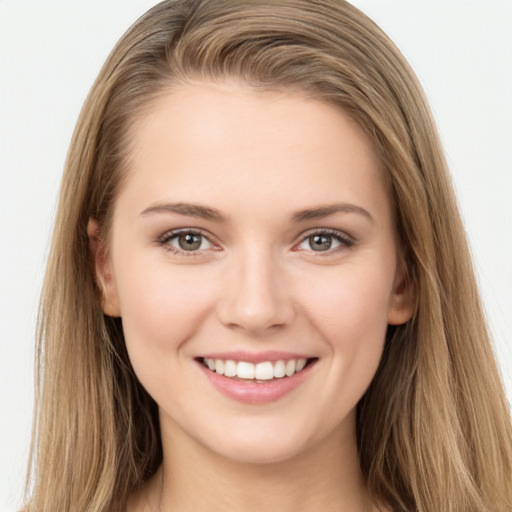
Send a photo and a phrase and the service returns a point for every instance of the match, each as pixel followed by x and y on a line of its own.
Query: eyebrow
pixel 207 213
pixel 187 209
pixel 326 211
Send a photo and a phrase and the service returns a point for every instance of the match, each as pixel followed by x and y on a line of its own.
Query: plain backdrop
pixel 50 53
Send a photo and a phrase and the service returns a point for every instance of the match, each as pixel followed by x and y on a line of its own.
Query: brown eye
pixel 189 241
pixel 186 242
pixel 326 241
pixel 320 242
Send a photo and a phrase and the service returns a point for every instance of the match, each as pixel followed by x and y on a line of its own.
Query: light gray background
pixel 50 53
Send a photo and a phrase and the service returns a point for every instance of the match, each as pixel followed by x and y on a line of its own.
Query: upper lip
pixel 254 357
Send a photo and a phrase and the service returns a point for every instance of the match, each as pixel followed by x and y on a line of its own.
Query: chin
pixel 261 455
pixel 262 446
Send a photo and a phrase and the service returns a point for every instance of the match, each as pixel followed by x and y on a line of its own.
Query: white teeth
pixel 245 370
pixel 230 368
pixel 300 365
pixel 266 370
pixel 279 369
pixel 291 365
pixel 219 366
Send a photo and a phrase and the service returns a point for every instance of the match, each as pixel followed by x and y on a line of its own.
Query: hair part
pixel 434 430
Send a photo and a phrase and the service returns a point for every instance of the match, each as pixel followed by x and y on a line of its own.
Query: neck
pixel 324 477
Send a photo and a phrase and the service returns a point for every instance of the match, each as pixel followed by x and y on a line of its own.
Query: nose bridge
pixel 255 296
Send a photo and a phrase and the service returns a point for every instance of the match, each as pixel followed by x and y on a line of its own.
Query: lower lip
pixel 250 392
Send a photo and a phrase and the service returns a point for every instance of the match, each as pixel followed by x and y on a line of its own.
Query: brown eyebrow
pixel 325 211
pixel 204 212
pixel 188 209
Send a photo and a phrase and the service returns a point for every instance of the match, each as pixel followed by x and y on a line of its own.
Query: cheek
pixel 349 310
pixel 349 302
pixel 161 308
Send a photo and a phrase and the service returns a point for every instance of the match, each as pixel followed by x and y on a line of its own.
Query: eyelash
pixel 164 240
pixel 345 241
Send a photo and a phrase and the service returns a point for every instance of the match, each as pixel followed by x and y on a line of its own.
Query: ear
pixel 402 301
pixel 103 271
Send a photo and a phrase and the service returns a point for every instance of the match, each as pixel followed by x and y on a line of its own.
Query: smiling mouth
pixel 262 372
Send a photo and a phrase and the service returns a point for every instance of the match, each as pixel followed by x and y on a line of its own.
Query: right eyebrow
pixel 186 209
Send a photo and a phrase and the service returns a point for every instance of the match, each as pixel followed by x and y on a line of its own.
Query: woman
pixel 259 294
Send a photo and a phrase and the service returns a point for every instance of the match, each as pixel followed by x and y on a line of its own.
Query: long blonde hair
pixel 434 430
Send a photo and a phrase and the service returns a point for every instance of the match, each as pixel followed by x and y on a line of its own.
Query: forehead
pixel 204 140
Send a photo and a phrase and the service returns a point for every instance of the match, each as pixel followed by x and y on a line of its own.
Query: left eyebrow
pixel 186 209
pixel 325 211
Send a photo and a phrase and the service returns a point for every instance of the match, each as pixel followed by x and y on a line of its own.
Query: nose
pixel 255 297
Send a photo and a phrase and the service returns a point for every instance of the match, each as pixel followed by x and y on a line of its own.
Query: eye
pixel 323 241
pixel 185 241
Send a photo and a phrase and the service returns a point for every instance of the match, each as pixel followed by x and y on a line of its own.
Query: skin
pixel 256 284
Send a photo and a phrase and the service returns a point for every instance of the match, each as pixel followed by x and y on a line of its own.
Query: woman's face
pixel 254 233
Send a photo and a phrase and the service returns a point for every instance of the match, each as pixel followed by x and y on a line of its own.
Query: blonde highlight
pixel 434 430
